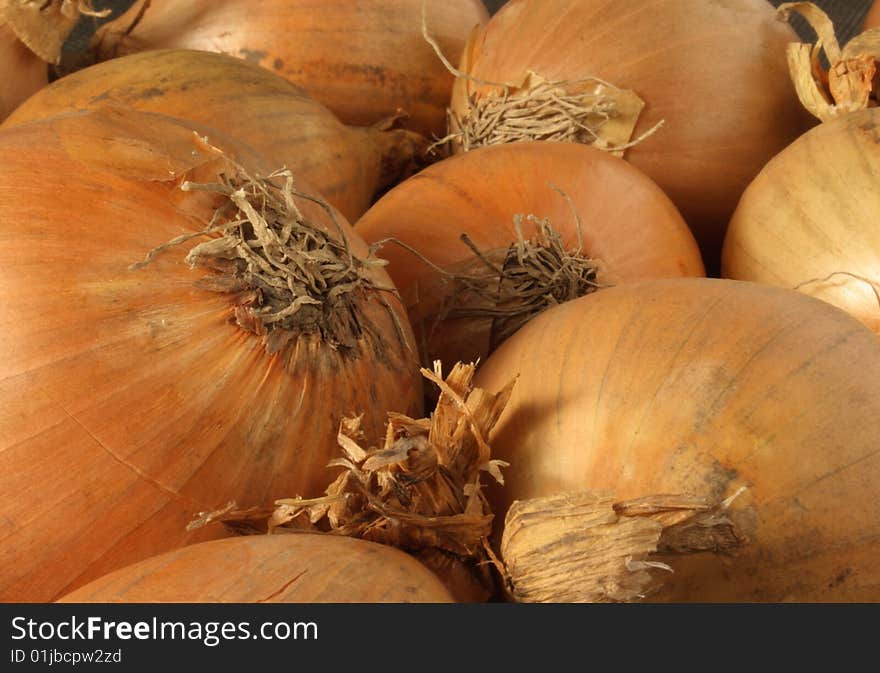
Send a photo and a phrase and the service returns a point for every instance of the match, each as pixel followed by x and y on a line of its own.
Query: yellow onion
pixel 596 221
pixel 347 165
pixel 714 73
pixel 304 568
pixel 700 391
pixel 364 60
pixel 140 390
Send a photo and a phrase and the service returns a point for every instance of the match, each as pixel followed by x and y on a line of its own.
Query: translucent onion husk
pixel 298 568
pixel 364 60
pixel 713 72
pixel 809 220
pixel 709 389
pixel 347 165
pixel 603 208
pixel 137 396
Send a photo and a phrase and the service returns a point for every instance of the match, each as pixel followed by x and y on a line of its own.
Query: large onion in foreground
pixel 714 72
pixel 347 165
pixel 701 388
pixel 364 60
pixel 614 226
pixel 133 398
pixel 809 220
pixel 297 568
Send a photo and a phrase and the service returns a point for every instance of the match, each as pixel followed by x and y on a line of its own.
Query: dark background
pixel 847 16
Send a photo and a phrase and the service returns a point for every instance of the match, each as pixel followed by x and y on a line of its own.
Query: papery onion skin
pixel 714 72
pixel 296 568
pixel 809 219
pixel 627 224
pixel 700 387
pixel 21 72
pixel 364 60
pixel 130 400
pixel 347 165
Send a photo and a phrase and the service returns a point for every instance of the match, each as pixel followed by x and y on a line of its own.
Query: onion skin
pixel 626 222
pixel 347 165
pixel 809 218
pixel 132 395
pixel 699 387
pixel 296 568
pixel 714 72
pixel 21 71
pixel 363 60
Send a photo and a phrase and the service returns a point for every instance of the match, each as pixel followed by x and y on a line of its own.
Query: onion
pixel 347 165
pixel 628 230
pixel 364 60
pixel 140 396
pixel 808 221
pixel 22 72
pixel 713 72
pixel 304 568
pixel 695 389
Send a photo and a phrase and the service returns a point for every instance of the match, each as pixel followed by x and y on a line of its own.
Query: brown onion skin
pixel 809 219
pixel 347 165
pixel 627 223
pixel 130 400
pixel 21 71
pixel 714 72
pixel 699 386
pixel 364 60
pixel 295 568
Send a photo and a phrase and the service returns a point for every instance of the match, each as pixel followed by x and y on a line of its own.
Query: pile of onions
pixel 809 220
pixel 604 210
pixel 713 72
pixel 305 568
pixel 364 60
pixel 140 396
pixel 708 388
pixel 347 165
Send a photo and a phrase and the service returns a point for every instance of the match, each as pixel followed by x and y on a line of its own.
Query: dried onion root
pixel 420 491
pixel 848 85
pixel 588 111
pixel 287 276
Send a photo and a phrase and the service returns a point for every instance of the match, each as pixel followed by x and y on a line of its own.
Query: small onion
pixel 713 72
pixel 364 60
pixel 701 388
pixel 872 18
pixel 809 220
pixel 139 397
pixel 298 568
pixel 628 228
pixel 347 165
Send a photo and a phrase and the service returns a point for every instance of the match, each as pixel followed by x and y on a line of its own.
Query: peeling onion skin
pixel 346 164
pixel 364 60
pixel 715 72
pixel 810 218
pixel 626 222
pixel 294 568
pixel 21 72
pixel 131 396
pixel 699 387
